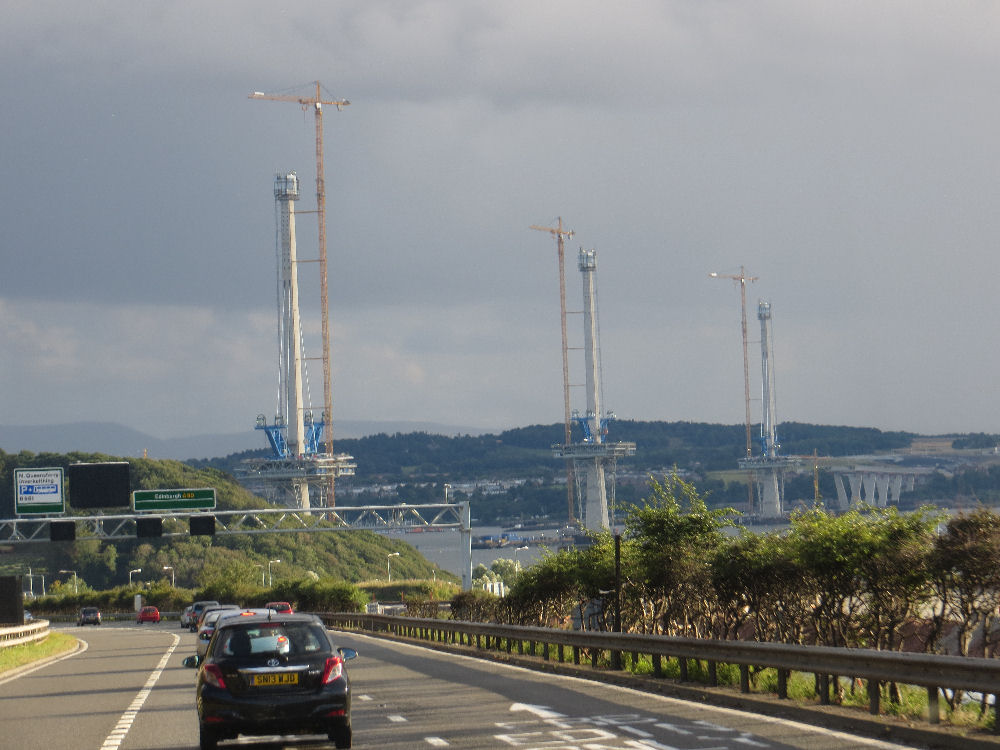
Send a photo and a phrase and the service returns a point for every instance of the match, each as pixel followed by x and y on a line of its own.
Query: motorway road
pixel 127 690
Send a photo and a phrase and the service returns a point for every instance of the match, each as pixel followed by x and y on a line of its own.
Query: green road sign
pixel 38 491
pixel 197 499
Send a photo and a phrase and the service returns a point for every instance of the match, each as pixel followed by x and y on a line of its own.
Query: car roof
pixel 254 619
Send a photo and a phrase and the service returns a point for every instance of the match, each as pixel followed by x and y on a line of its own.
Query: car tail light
pixel 213 676
pixel 333 670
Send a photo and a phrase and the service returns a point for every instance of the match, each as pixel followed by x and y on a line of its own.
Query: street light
pixel 172 578
pixel 516 550
pixel 137 570
pixel 261 566
pixel 388 570
pixel 75 590
pixel 270 581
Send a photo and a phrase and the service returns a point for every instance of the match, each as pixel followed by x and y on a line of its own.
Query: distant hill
pixel 117 440
pixel 527 451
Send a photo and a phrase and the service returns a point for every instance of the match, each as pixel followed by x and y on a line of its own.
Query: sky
pixel 845 153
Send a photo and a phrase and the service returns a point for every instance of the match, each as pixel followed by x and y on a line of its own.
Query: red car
pixel 147 614
pixel 282 608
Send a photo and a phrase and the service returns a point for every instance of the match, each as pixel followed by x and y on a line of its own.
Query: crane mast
pixel 561 235
pixel 316 103
pixel 743 280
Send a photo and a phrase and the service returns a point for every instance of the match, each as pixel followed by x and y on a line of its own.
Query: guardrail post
pixel 744 678
pixel 683 664
pixel 593 658
pixel 996 714
pixel 576 654
pixel 559 652
pixel 874 694
pixel 933 708
pixel 657 665
pixel 616 659
pixel 824 689
pixel 783 684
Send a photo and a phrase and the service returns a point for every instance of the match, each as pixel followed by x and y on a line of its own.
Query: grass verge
pixel 18 656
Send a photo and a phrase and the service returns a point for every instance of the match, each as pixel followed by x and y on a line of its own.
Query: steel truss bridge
pixel 378 518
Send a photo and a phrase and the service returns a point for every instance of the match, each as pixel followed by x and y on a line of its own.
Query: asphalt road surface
pixel 127 690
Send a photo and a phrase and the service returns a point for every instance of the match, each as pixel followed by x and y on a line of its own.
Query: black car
pixel 273 674
pixel 89 616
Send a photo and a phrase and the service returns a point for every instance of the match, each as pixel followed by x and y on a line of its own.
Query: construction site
pixel 302 469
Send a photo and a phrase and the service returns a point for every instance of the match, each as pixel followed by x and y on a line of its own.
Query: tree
pixel 895 575
pixel 676 535
pixel 830 551
pixel 757 579
pixel 965 565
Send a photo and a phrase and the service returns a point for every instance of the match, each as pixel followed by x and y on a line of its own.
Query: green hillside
pixel 199 561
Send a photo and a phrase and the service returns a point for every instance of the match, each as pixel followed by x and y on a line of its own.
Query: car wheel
pixel 207 739
pixel 341 736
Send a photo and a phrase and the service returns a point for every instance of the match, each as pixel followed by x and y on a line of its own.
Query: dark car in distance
pixel 266 674
pixel 89 616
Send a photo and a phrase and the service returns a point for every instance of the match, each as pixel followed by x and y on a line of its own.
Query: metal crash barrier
pixel 931 671
pixel 37 630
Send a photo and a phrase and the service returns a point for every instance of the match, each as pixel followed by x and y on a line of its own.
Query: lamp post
pixel 261 566
pixel 172 578
pixel 75 589
pixel 388 569
pixel 516 550
pixel 137 570
pixel 270 581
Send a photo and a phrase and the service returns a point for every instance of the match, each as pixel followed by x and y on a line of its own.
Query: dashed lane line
pixel 121 730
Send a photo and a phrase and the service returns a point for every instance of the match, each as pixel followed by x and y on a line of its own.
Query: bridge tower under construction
pixel 769 467
pixel 594 453
pixel 297 473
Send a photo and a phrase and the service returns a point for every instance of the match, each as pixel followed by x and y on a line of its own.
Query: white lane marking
pixel 396 718
pixel 114 739
pixel 83 646
pixel 542 712
pixel 362 697
pixel 849 739
pixel 436 742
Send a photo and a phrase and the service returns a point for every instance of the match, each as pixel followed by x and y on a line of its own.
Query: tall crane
pixel 743 280
pixel 316 103
pixel 561 236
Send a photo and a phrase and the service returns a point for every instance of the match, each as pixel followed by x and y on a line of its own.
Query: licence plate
pixel 275 678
